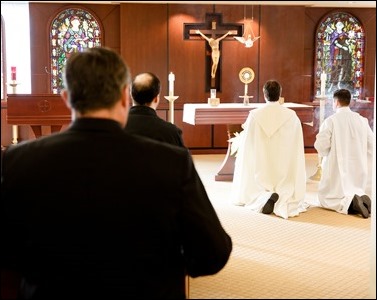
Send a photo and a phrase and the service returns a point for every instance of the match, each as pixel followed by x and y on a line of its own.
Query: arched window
pixel 71 31
pixel 339 47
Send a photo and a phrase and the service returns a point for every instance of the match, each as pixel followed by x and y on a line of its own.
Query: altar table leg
pixel 56 128
pixel 227 167
pixel 37 129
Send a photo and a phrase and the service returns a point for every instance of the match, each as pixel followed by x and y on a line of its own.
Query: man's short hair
pixel 145 87
pixel 343 96
pixel 272 90
pixel 95 78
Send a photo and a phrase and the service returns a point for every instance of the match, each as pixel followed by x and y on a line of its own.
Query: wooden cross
pixel 214 28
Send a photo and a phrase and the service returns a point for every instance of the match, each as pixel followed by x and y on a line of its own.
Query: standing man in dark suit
pixel 143 119
pixel 96 213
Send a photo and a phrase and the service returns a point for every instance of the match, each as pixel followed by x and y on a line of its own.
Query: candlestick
pixel 14 84
pixel 14 134
pixel 171 78
pixel 323 83
pixel 245 96
pixel 13 73
pixel 171 100
pixel 213 93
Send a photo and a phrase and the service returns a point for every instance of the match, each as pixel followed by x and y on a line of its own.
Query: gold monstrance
pixel 246 76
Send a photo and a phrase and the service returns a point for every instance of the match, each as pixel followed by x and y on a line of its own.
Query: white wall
pixel 17 42
pixel 373 214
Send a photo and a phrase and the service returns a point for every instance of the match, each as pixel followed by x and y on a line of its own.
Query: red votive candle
pixel 13 73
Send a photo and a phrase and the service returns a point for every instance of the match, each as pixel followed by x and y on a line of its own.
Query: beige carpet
pixel 320 254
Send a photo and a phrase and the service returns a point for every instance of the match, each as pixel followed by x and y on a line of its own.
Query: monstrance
pixel 246 76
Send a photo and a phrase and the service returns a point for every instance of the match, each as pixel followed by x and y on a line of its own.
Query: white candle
pixel 245 89
pixel 323 84
pixel 171 83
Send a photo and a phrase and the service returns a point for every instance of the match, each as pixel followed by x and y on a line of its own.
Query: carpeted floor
pixel 320 254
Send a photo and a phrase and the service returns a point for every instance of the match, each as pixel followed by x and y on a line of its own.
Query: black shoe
pixel 358 205
pixel 367 203
pixel 269 206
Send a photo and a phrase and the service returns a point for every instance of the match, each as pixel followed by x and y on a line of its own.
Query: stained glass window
pixel 340 42
pixel 71 31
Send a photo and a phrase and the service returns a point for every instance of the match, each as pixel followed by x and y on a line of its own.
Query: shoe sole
pixel 359 206
pixel 367 202
pixel 268 208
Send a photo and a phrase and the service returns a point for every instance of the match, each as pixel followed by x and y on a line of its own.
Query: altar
pixel 232 114
pixel 37 110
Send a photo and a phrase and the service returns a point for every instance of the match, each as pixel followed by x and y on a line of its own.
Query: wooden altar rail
pixel 232 114
pixel 38 110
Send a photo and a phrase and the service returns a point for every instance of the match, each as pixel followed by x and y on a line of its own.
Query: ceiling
pixel 340 4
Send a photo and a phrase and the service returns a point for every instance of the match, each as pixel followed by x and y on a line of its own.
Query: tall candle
pixel 171 83
pixel 13 73
pixel 323 84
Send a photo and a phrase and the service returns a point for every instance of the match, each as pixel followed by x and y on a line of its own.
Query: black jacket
pixel 143 120
pixel 96 213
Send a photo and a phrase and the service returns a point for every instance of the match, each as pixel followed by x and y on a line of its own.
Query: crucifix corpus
pixel 214 32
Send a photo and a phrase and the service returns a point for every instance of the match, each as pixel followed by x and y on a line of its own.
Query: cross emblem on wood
pixel 44 106
pixel 213 28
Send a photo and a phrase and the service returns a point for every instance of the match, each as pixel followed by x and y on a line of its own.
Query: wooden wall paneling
pixel 282 44
pixel 309 46
pixel 39 15
pixel 369 21
pixel 144 35
pixel 178 117
pixel 163 114
pixel 307 76
pixel 110 18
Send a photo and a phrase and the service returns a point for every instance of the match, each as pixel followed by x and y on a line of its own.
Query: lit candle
pixel 171 84
pixel 245 89
pixel 323 84
pixel 13 73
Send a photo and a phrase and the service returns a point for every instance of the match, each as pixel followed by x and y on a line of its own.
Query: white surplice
pixel 345 141
pixel 271 158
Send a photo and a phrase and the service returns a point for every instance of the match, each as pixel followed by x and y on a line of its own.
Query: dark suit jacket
pixel 143 120
pixel 96 213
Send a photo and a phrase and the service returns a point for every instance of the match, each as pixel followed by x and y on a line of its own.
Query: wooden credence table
pixel 38 110
pixel 232 115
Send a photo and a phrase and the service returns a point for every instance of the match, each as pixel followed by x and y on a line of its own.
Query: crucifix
pixel 214 32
